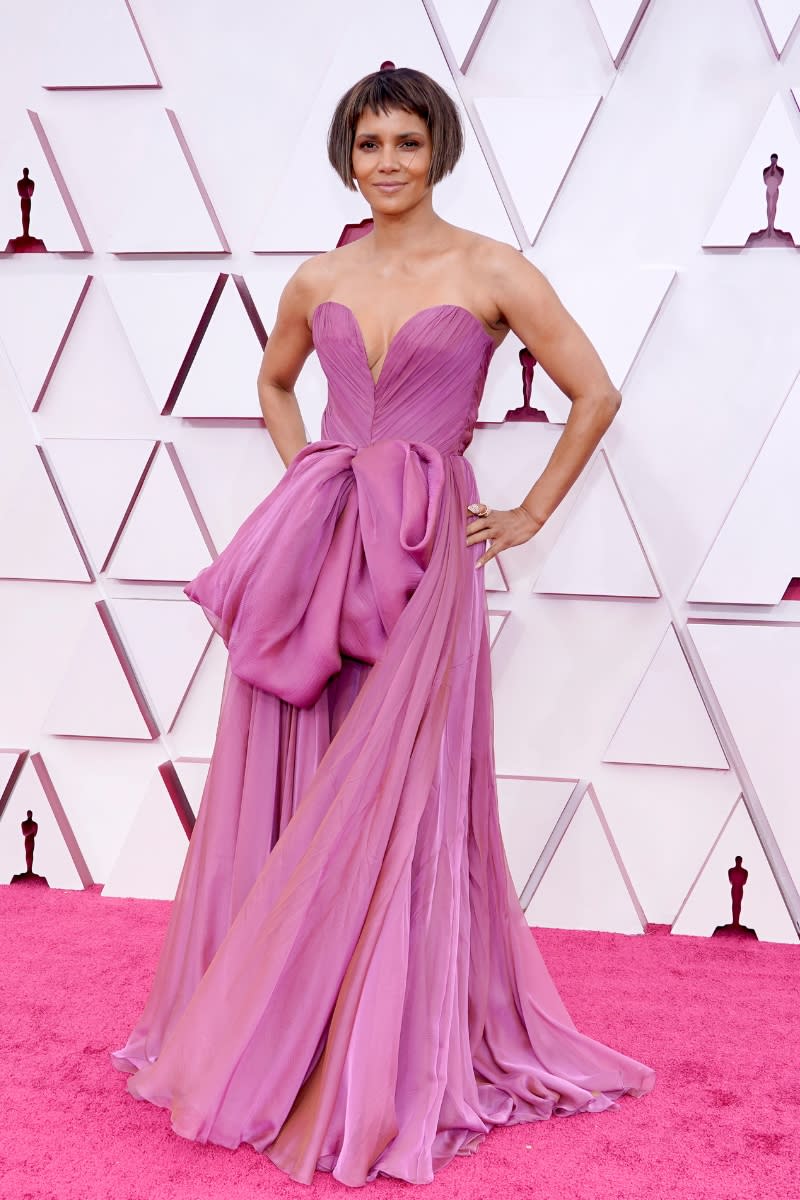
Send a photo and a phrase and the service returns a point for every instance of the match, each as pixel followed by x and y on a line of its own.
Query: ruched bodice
pixel 429 387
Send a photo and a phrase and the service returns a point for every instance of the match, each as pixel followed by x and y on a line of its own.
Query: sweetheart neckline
pixel 395 336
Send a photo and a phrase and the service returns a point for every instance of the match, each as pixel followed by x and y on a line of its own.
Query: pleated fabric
pixel 348 982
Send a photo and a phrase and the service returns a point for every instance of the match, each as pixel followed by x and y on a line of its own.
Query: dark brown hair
pixel 397 87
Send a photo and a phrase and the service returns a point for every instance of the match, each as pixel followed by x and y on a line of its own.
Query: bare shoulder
pixel 528 304
pixel 317 276
pixel 501 263
pixel 301 288
pixel 514 283
pixel 499 270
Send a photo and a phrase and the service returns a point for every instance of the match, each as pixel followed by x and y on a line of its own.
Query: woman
pixel 348 981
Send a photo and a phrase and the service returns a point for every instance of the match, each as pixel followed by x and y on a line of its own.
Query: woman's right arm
pixel 288 346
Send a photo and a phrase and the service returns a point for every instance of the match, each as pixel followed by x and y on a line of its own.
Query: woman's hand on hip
pixel 502 527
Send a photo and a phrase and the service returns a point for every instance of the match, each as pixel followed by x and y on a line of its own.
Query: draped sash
pixel 295 591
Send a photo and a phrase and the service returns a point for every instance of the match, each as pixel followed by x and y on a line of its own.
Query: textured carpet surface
pixel 718 1020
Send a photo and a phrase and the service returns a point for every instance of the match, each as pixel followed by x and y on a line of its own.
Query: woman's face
pixel 391 157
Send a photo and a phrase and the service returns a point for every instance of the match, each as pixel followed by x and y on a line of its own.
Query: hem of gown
pixel 469 1144
pixel 125 1065
pixel 187 1126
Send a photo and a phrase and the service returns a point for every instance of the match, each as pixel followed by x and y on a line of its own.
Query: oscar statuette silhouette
pixel 525 411
pixel 26 244
pixel 773 178
pixel 738 878
pixel 29 830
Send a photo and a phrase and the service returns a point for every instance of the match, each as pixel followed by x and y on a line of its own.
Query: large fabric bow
pixel 325 564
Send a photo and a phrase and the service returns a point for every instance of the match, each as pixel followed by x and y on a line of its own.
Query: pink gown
pixel 348 981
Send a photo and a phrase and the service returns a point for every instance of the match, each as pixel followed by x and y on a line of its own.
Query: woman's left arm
pixel 534 312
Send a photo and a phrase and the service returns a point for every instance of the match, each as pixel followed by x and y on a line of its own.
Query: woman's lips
pixel 389 187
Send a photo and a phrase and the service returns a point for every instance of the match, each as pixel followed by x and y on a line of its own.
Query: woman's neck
pixel 404 234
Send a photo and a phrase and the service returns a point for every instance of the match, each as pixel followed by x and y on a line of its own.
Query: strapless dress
pixel 348 982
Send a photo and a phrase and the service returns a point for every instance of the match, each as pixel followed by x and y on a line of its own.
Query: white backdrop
pixel 646 648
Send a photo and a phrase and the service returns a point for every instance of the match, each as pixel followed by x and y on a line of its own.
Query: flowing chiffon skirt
pixel 348 981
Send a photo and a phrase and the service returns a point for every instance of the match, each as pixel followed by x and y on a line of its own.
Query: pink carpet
pixel 718 1021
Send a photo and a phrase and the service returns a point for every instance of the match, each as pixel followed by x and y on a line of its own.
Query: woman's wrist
pixel 535 517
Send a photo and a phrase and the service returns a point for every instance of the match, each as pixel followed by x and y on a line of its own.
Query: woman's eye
pixel 368 145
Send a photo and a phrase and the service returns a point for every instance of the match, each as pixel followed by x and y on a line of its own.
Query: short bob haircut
pixel 397 87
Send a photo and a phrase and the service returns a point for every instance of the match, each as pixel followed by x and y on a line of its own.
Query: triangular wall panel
pixel 187 222
pixel 166 640
pixel 664 823
pixel 583 886
pixel 757 551
pixel 780 18
pixel 229 471
pixel 744 208
pixel 554 129
pixel 221 381
pixel 97 695
pixel 463 23
pixel 753 669
pixel 162 315
pixel 195 728
pixel 709 902
pixel 56 854
pixel 36 541
pixel 100 783
pixel 53 217
pixel 666 722
pixel 161 540
pixel 37 313
pixel 618 21
pixel 598 552
pixel 529 809
pixel 98 479
pixel 96 44
pixel 153 853
pixel 94 367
